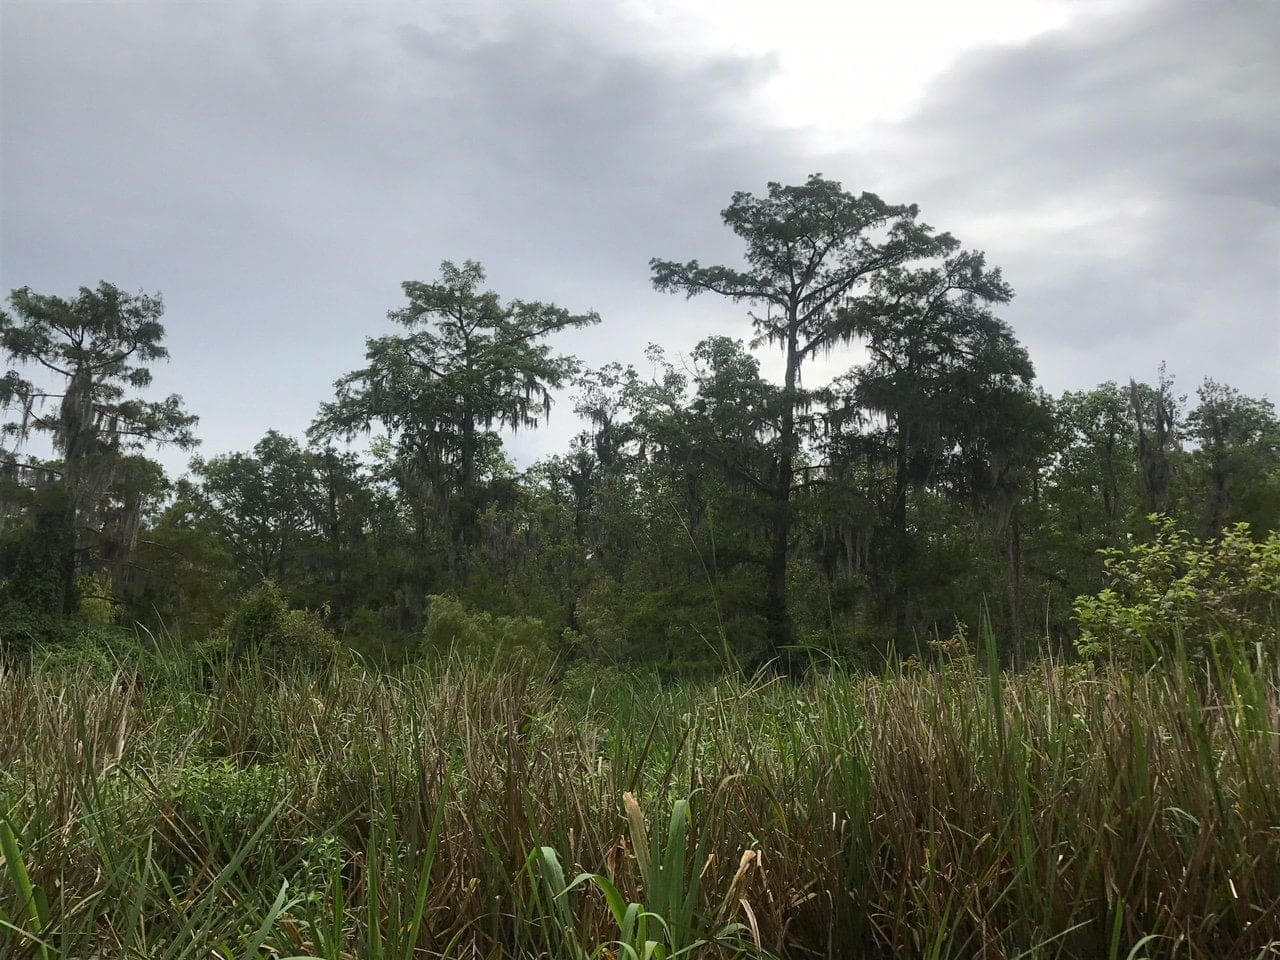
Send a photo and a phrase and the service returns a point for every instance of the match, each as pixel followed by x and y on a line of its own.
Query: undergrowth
pixel 453 811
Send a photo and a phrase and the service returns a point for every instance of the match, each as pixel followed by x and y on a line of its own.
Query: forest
pixel 917 659
pixel 705 513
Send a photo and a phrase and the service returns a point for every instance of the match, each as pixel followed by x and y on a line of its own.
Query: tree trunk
pixel 901 482
pixel 335 526
pixel 75 437
pixel 781 634
pixel 779 619
pixel 1014 587
pixel 460 536
pixel 68 595
pixel 1155 439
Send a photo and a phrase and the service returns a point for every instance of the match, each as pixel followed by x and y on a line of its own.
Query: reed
pixel 455 811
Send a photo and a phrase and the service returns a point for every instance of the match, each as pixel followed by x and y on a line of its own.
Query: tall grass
pixel 459 812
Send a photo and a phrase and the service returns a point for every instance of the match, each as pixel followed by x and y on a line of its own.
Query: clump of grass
pixel 452 811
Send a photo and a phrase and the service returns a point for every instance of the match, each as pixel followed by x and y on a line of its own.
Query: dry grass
pixel 940 814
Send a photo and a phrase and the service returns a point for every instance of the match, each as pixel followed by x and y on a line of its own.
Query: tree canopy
pixel 92 350
pixel 705 515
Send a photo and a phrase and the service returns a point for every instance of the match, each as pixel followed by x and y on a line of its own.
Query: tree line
pixel 706 512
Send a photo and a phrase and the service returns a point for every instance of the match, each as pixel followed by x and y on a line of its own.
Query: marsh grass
pixel 457 811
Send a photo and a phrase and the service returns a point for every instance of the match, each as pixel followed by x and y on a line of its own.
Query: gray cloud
pixel 1127 175
pixel 277 170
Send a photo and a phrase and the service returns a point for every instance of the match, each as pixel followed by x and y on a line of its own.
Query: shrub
pixel 233 800
pixel 98 603
pixel 263 627
pixel 688 630
pixel 65 661
pixel 450 626
pixel 371 634
pixel 87 648
pixel 1179 588
pixel 24 630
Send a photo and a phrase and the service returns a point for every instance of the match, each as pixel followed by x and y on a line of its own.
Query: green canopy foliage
pixel 707 515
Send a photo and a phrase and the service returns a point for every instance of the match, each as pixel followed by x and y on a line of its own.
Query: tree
pixel 182 577
pixel 1155 414
pixel 1097 458
pixel 305 518
pixel 1087 497
pixel 809 249
pixel 946 397
pixel 941 364
pixel 1237 442
pixel 468 364
pixel 258 503
pixel 94 347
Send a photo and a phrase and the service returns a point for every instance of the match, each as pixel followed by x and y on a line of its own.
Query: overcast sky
pixel 277 170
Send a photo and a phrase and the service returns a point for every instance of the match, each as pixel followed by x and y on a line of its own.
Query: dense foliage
pixel 446 812
pixel 397 698
pixel 706 516
pixel 1179 592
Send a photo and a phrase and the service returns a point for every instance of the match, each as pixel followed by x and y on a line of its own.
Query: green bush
pixel 232 800
pixel 25 630
pixel 451 627
pixel 689 630
pixel 371 634
pixel 262 627
pixel 93 649
pixel 586 682
pixel 1178 588
pixel 67 660
pixel 98 603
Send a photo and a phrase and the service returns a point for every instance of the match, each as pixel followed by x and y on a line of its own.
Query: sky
pixel 277 170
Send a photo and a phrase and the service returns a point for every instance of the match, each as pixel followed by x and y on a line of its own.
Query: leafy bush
pixel 375 636
pixel 585 682
pixel 1177 587
pixel 689 630
pixel 236 800
pixel 67 660
pixel 88 648
pixel 98 603
pixel 24 630
pixel 450 626
pixel 264 628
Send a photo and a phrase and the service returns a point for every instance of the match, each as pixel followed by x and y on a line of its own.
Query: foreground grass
pixel 457 812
